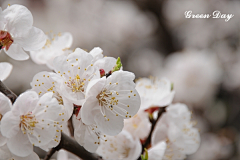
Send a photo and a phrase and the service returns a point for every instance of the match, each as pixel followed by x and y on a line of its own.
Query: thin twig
pixel 7 92
pixel 70 127
pixel 69 144
pixel 148 140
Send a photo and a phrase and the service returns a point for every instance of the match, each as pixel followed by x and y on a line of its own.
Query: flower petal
pixel 32 156
pixel 5 104
pixel 86 137
pixel 34 40
pixel 3 140
pixel 111 124
pixel 10 125
pixel 95 87
pixel 42 133
pixel 124 80
pixel 157 151
pixel 26 102
pixel 16 52
pixel 106 63
pixel 5 70
pixel 96 53
pixel 19 19
pixel 65 40
pixel 20 145
pixel 89 108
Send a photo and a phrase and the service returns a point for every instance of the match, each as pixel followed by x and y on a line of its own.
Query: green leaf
pixel 118 65
pixel 145 156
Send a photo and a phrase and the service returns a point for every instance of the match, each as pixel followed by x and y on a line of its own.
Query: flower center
pixel 5 40
pixel 1 117
pixel 105 98
pixel 109 102
pixel 58 97
pixel 28 122
pixel 76 84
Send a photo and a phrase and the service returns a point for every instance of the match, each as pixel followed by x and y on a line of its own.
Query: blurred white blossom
pixel 195 74
pixel 120 147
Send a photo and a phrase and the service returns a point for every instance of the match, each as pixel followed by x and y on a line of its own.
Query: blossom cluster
pixel 111 114
pixel 174 135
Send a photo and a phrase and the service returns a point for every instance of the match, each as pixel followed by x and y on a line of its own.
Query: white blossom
pixel 73 73
pixel 154 92
pixel 17 32
pixel 120 147
pixel 31 122
pixel 195 75
pixel 109 101
pixel 42 83
pixel 176 129
pixel 5 70
pixel 5 104
pixel 56 45
pixel 139 125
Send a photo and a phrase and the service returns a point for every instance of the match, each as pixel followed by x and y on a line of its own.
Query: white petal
pixel 106 63
pixel 53 143
pixel 3 139
pixel 187 139
pixel 89 109
pixel 5 104
pixel 62 155
pixel 20 145
pixel 16 52
pixel 124 80
pixel 129 101
pixel 157 151
pixel 19 19
pixel 5 154
pixel 10 125
pixel 26 102
pixel 96 53
pixel 32 156
pixel 95 87
pixel 34 40
pixel 42 83
pixel 40 136
pixel 47 107
pixel 136 151
pixel 65 40
pixel 60 64
pixel 111 124
pixel 86 137
pixel 160 132
pixel 5 70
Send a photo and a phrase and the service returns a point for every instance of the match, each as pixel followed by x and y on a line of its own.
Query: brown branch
pixel 69 144
pixel 70 127
pixel 148 140
pixel 7 92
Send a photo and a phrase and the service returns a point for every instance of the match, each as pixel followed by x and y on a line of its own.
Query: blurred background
pixel 153 38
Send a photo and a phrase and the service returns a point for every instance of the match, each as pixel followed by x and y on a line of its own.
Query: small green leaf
pixel 146 153
pixel 118 65
pixel 145 156
pixel 172 86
